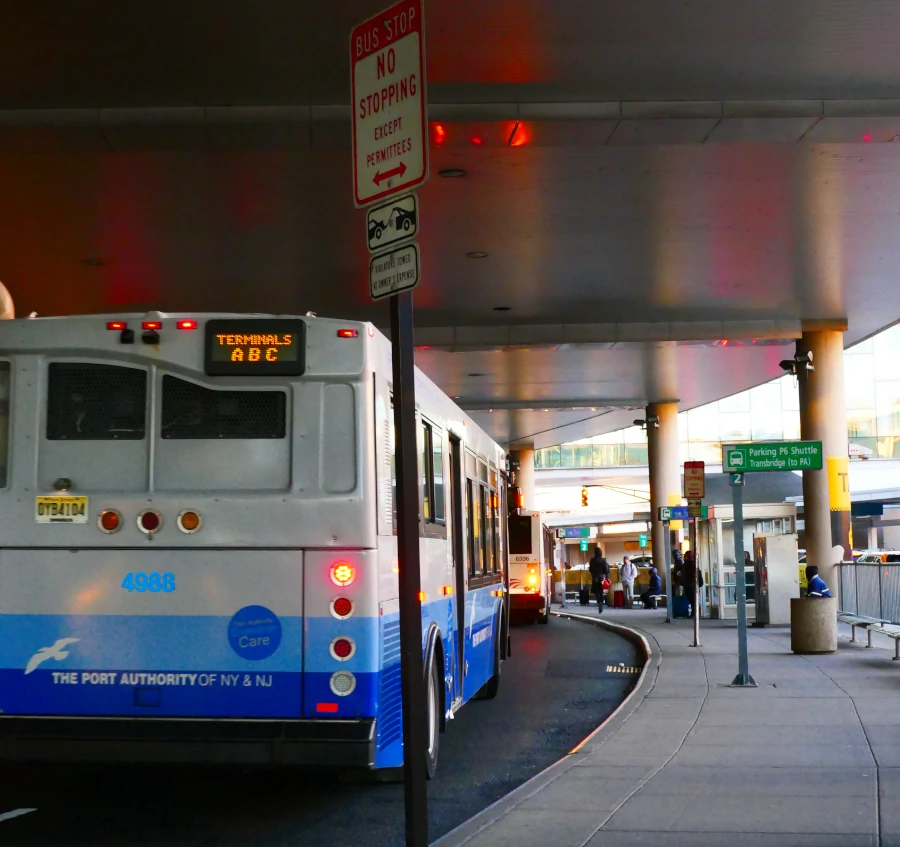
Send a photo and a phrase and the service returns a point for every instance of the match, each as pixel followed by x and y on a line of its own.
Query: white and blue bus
pixel 198 559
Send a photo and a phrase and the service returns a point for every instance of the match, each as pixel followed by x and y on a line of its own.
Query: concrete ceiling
pixel 648 181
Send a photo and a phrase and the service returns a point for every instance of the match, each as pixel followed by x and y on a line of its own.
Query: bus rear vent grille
pixel 389 726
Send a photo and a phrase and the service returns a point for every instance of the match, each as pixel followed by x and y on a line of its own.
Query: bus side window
pixel 432 475
pixel 4 422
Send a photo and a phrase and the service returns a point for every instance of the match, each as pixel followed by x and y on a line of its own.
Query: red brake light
pixel 117 325
pixel 186 324
pixel 342 648
pixel 327 707
pixel 342 607
pixel 348 333
pixel 149 521
pixel 151 325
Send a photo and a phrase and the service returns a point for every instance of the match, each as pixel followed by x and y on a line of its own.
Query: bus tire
pixel 433 723
pixel 491 688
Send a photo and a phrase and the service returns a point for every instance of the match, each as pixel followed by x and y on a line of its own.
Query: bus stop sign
pixel 387 80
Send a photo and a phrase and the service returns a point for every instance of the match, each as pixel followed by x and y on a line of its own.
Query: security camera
pixel 652 419
pixel 804 358
pixel 788 365
pixel 639 422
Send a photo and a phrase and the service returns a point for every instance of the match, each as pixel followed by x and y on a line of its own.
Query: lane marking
pixel 15 813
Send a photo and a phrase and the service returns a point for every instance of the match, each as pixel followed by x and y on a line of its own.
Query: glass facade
pixel 769 412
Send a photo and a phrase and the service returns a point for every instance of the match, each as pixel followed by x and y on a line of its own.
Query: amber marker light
pixel 342 573
pixel 109 521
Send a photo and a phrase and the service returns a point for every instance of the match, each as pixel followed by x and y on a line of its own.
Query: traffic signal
pixel 584 497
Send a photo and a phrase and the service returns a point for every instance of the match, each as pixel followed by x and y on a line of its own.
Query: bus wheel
pixel 433 726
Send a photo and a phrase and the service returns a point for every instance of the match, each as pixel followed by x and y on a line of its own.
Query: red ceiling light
pixel 477 141
pixel 186 324
pixel 117 325
pixel 867 137
pixel 151 325
pixel 438 133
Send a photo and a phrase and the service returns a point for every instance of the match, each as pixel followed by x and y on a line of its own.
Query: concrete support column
pixel 823 417
pixel 665 475
pixel 525 474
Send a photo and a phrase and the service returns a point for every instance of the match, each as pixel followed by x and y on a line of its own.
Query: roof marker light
pixel 186 324
pixel 348 333
pixel 117 325
pixel 151 325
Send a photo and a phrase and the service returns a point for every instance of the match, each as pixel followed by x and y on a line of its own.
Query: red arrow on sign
pixel 381 177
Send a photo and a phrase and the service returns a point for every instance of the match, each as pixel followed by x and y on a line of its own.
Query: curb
pixel 467 830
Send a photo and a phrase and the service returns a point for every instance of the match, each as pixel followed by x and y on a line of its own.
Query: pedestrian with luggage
pixel 627 576
pixel 599 569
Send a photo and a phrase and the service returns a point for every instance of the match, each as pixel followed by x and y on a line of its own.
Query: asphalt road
pixel 555 690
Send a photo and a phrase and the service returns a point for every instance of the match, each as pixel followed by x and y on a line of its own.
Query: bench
pixel 654 597
pixel 860 620
pixel 890 631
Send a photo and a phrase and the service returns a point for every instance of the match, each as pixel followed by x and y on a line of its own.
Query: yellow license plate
pixel 61 509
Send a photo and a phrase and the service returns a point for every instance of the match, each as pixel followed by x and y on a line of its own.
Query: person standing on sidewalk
pixel 690 575
pixel 628 575
pixel 599 568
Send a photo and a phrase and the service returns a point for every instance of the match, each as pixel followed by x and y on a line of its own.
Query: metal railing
pixel 870 589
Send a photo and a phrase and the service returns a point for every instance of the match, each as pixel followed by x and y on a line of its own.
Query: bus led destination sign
pixel 255 347
pixel 772 456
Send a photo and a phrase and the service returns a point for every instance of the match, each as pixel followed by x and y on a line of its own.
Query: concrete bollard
pixel 813 625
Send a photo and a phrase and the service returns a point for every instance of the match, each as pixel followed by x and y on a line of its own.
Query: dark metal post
pixel 670 585
pixel 695 600
pixel 412 687
pixel 743 678
pixel 880 595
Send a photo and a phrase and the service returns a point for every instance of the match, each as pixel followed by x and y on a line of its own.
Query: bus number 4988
pixel 153 582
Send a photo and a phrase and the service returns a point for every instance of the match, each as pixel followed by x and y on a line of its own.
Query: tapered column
pixel 823 417
pixel 665 475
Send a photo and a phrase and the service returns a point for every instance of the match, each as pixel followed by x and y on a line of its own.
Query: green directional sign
pixel 583 545
pixel 772 456
pixel 643 540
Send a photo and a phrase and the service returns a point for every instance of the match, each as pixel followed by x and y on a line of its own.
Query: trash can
pixel 813 624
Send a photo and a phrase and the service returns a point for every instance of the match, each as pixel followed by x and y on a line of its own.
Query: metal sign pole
pixel 696 597
pixel 737 487
pixel 412 688
pixel 669 586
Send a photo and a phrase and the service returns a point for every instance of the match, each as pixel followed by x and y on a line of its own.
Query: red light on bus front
pixel 329 708
pixel 151 325
pixel 116 325
pixel 188 324
pixel 342 573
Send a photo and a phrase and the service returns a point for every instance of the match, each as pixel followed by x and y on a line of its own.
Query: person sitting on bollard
pixel 653 589
pixel 815 585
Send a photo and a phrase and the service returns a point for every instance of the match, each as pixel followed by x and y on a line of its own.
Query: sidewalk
pixel 810 757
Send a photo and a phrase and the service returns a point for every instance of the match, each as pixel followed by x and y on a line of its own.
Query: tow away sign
pixel 387 78
pixel 394 271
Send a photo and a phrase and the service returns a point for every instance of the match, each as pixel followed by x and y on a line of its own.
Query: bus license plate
pixel 61 509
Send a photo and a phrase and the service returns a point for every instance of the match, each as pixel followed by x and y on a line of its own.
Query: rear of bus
pixel 529 594
pixel 187 569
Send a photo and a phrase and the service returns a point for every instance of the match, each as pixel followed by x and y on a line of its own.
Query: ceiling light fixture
pixel 476 254
pixel 502 308
pixel 452 173
pixel 476 374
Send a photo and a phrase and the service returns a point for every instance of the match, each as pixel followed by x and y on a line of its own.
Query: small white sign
pixel 387 79
pixel 393 272
pixel 392 222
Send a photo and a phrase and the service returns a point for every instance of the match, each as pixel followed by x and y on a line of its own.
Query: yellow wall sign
pixel 838 483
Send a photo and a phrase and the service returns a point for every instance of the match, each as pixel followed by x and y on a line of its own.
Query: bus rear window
pixel 520 535
pixel 192 411
pixel 87 402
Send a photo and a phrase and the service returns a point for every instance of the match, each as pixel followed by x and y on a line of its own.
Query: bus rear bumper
pixel 332 744
pixel 526 602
